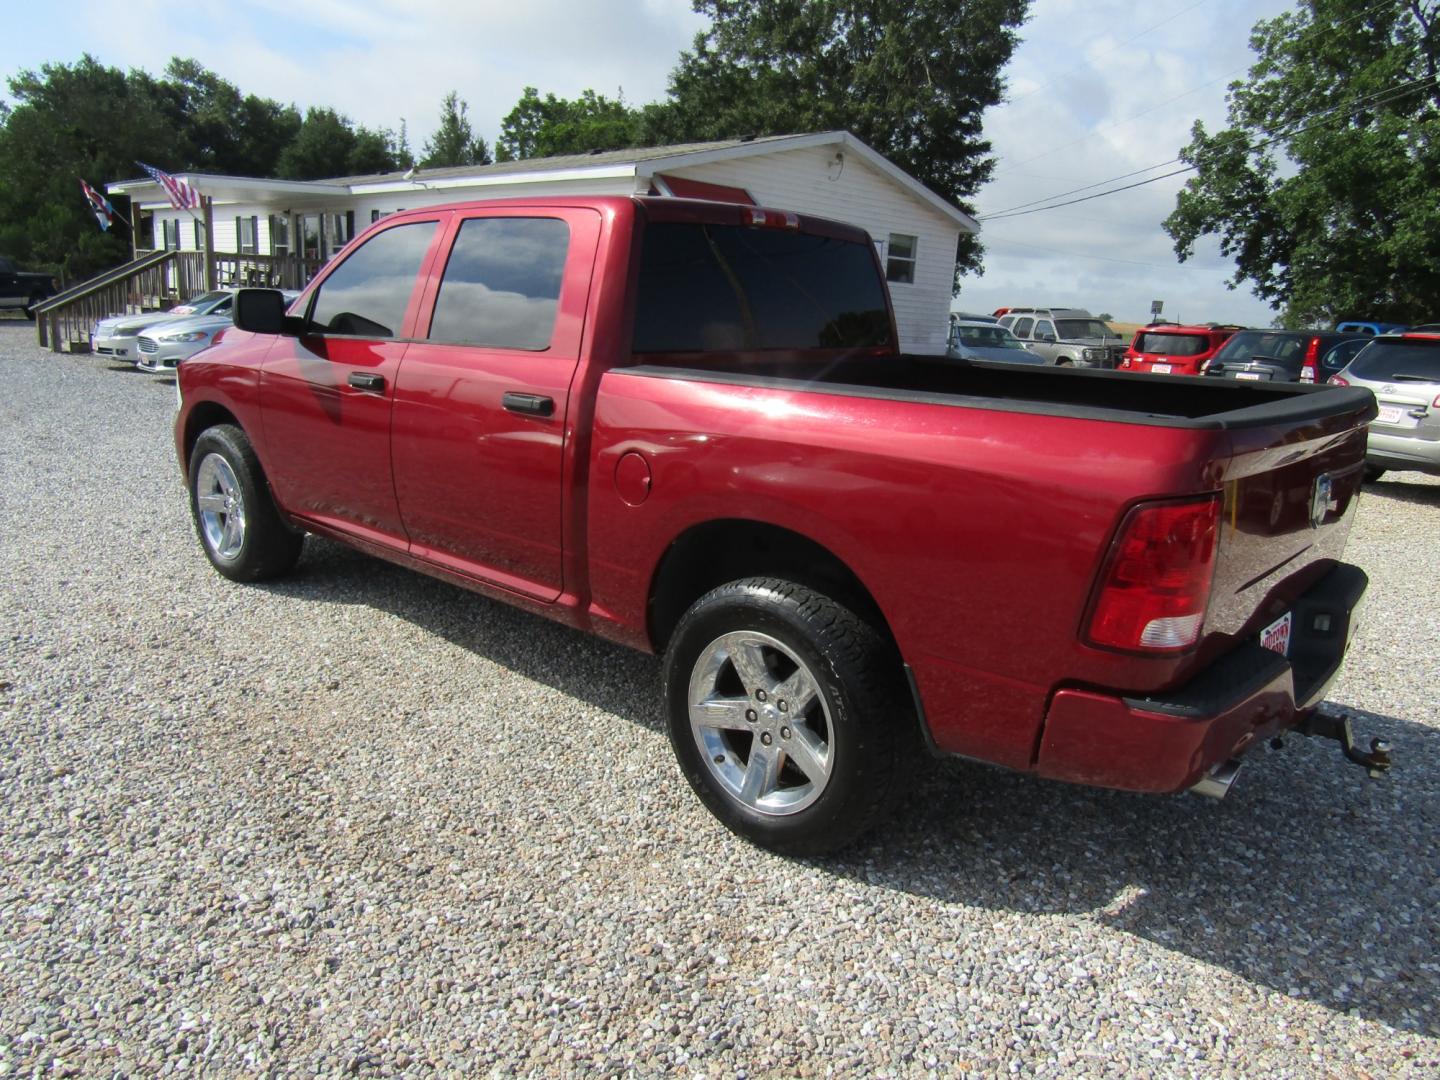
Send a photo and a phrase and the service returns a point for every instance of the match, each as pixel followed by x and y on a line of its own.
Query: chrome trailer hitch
pixel 1328 722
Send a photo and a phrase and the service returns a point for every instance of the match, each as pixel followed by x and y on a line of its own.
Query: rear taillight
pixel 219 336
pixel 1337 380
pixel 1312 361
pixel 1156 583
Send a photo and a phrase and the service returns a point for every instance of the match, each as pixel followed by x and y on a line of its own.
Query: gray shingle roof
pixel 558 164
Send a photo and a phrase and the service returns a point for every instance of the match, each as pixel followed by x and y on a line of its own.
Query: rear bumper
pixel 1386 451
pixel 1165 742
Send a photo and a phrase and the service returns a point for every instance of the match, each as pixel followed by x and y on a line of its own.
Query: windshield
pixel 1070 329
pixel 1277 346
pixel 987 337
pixel 1396 358
pixel 196 303
pixel 1171 344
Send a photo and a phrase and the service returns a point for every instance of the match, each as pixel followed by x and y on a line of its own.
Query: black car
pixel 1279 355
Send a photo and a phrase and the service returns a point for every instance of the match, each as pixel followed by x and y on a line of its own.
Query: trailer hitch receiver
pixel 1331 723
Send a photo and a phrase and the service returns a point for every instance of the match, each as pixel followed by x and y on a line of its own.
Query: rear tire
pixel 30 307
pixel 1373 473
pixel 240 530
pixel 787 714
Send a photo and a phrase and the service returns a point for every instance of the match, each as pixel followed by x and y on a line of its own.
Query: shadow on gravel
pixel 615 679
pixel 1310 878
pixel 1409 491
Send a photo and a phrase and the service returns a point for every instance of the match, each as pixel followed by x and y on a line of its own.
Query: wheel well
pixel 204 415
pixel 709 555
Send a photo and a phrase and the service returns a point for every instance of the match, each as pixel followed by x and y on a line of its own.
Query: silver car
pixel 1404 375
pixel 161 346
pixel 116 335
pixel 976 340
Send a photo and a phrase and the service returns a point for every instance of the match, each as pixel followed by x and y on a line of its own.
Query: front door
pixel 326 396
pixel 483 394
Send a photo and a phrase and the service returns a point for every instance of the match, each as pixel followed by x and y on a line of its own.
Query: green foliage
pixel 1323 186
pixel 550 126
pixel 328 145
pixel 454 143
pixel 86 120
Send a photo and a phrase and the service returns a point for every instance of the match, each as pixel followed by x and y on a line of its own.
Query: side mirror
pixel 1048 339
pixel 260 311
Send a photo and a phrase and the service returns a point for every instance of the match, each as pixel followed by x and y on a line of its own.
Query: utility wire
pixel 1366 101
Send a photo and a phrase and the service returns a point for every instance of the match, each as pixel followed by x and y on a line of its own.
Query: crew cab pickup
pixel 23 289
pixel 687 427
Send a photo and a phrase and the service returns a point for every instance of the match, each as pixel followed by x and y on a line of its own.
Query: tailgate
pixel 1289 498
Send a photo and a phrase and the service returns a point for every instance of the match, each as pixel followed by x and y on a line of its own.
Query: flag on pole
pixel 104 213
pixel 182 196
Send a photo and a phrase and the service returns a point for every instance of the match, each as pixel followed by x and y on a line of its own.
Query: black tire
pixel 244 537
pixel 1064 361
pixel 1373 473
pixel 30 307
pixel 861 714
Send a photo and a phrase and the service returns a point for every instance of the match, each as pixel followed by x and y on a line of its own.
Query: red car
pixel 1169 349
pixel 688 427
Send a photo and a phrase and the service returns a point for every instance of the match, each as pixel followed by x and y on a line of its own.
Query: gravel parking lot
pixel 360 822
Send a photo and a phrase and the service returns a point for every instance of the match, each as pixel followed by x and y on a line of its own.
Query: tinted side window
pixel 502 284
pixel 1022 327
pixel 706 288
pixel 1043 328
pixel 367 294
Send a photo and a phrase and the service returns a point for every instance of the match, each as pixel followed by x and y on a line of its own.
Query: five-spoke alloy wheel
pixel 786 714
pixel 240 530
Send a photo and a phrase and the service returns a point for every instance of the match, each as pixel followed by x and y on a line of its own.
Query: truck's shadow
pixel 1392 486
pixel 1270 884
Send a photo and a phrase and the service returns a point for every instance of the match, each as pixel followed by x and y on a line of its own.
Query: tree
pixel 222 130
pixel 453 142
pixel 1322 188
pixel 911 78
pixel 545 127
pixel 68 122
pixel 327 145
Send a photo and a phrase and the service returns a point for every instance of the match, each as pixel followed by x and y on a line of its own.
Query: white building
pixel 831 174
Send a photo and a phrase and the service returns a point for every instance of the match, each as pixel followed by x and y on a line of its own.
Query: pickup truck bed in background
pixel 685 426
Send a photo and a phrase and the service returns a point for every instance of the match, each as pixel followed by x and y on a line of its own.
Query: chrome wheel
pixel 761 723
pixel 220 505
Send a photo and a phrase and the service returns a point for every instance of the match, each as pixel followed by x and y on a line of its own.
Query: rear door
pixel 482 399
pixel 326 395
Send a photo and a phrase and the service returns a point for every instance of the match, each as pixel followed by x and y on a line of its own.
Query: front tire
pixel 786 713
pixel 240 530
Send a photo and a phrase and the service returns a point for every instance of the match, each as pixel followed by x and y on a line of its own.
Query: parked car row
pixel 157 341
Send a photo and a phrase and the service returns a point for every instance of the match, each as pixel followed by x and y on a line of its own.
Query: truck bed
pixel 1123 397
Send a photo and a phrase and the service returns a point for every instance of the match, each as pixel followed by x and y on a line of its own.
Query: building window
pixel 199 236
pixel 900 262
pixel 279 234
pixel 170 233
pixel 247 235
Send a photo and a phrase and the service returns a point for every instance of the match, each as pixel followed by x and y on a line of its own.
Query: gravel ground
pixel 361 822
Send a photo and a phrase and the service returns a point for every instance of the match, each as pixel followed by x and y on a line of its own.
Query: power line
pixel 1366 101
pixel 1100 258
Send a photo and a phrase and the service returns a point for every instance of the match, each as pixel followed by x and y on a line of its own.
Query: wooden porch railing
pixel 154 281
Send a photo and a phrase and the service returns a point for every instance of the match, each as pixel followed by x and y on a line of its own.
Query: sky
pixel 1097 89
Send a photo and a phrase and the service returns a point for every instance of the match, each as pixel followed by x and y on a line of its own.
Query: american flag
pixel 182 196
pixel 104 212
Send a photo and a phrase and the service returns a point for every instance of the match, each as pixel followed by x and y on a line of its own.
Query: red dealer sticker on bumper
pixel 1276 636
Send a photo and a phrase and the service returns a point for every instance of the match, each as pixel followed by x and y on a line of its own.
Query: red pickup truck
pixel 687 427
